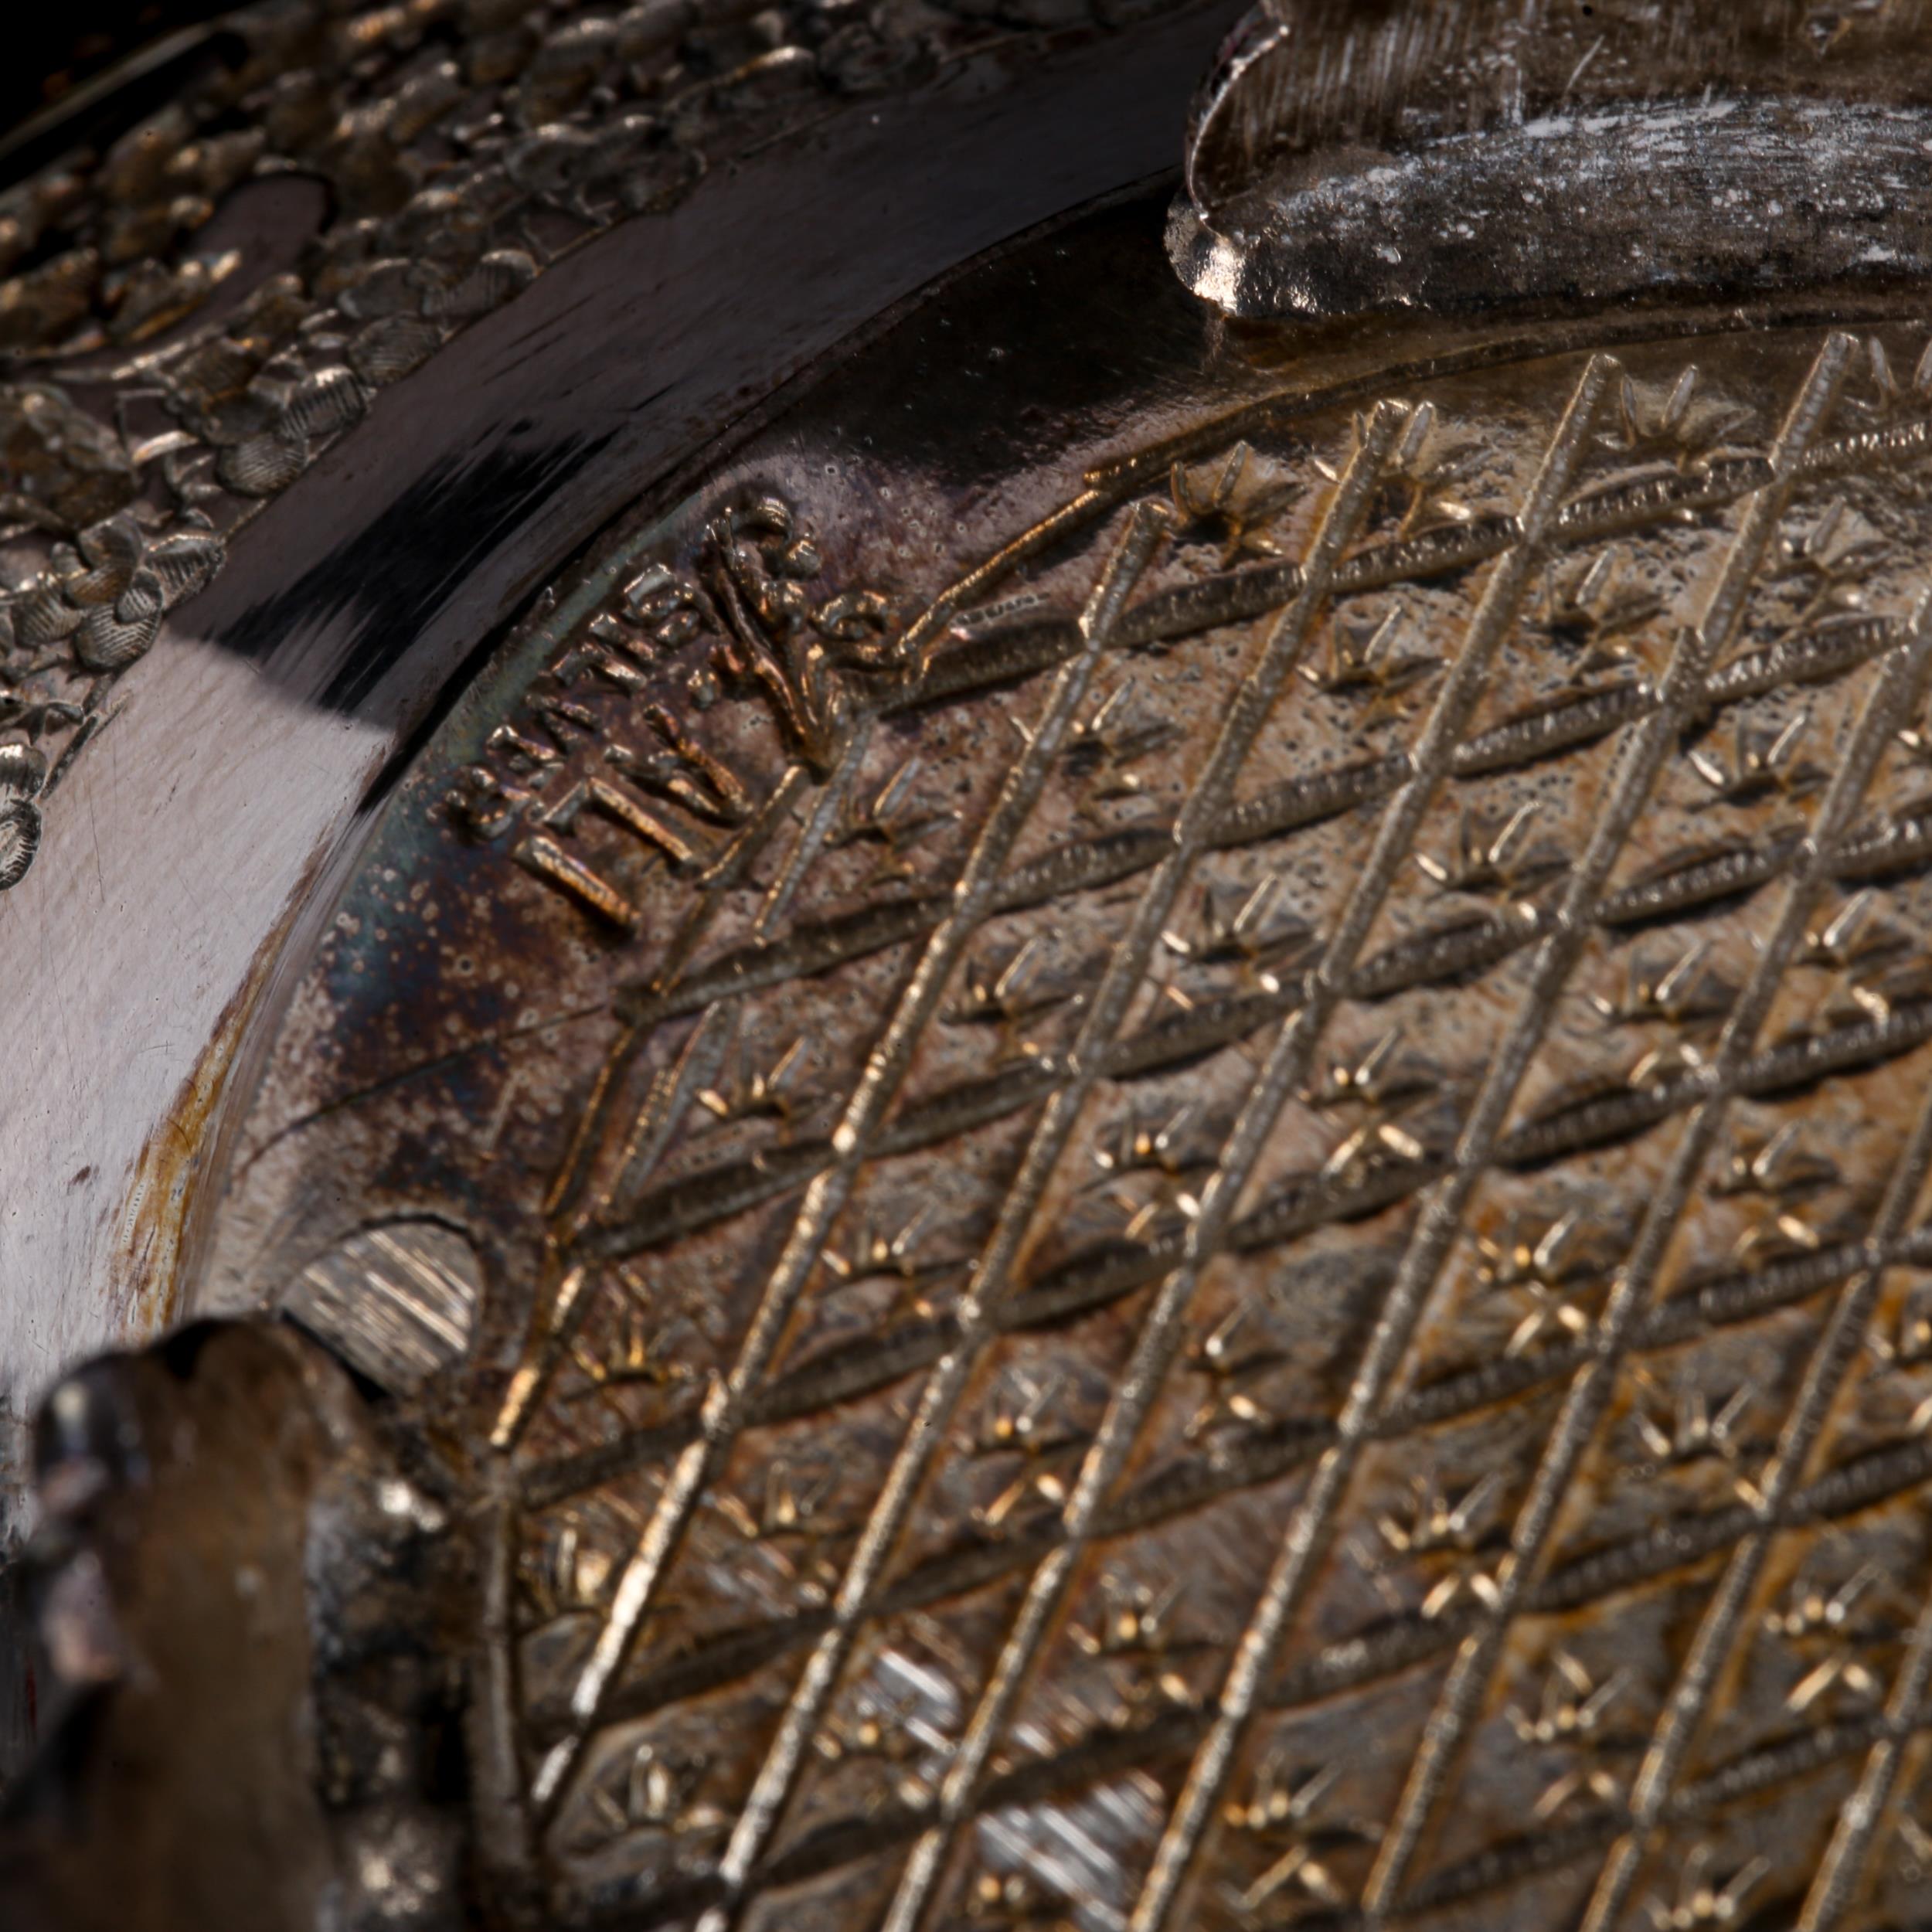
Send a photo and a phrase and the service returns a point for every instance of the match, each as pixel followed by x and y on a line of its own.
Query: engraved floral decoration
pixel 159 388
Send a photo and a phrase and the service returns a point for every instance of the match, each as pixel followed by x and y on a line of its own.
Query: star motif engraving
pixel 1784 1234
pixel 1224 509
pixel 1444 1536
pixel 1779 1167
pixel 1370 657
pixel 1380 1141
pixel 1829 564
pixel 1594 611
pixel 1231 1371
pixel 1134 1144
pixel 1820 1624
pixel 1136 1618
pixel 639 1356
pixel 789 1522
pixel 891 818
pixel 1013 1902
pixel 571 1574
pixel 1544 1262
pixel 1692 1428
pixel 1419 481
pixel 1702 1901
pixel 1382 1076
pixel 1009 992
pixel 1500 859
pixel 1570 1712
pixel 659 1793
pixel 1243 926
pixel 1103 747
pixel 1552 1252
pixel 770 1090
pixel 1135 1629
pixel 1021 1422
pixel 1280 1814
pixel 883 1732
pixel 1762 764
pixel 1909 1341
pixel 878 1252
pixel 1680 991
pixel 1679 422
pixel 1163 1213
pixel 1875 988
pixel 1855 932
pixel 1887 397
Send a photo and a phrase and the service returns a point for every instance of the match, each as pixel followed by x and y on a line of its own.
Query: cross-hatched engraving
pixel 1248 1243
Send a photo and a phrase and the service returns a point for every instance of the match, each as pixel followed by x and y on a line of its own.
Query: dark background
pixel 54 47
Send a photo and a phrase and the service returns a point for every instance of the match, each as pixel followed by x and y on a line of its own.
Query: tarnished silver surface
pixel 1181 1193
pixel 1130 1130
pixel 1346 157
pixel 402 527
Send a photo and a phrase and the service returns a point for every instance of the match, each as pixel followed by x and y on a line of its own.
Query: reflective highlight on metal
pixel 1345 158
pixel 1130 1130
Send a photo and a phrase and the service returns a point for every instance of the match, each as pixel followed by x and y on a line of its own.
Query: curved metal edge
pixel 1733 198
pixel 1354 160
pixel 353 602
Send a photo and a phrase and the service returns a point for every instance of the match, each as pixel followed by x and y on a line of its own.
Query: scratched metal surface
pixel 1350 155
pixel 1151 1117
